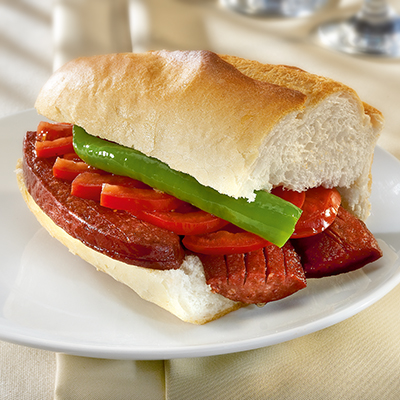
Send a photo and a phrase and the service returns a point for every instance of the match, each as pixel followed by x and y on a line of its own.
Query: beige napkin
pixel 355 359
pixel 91 378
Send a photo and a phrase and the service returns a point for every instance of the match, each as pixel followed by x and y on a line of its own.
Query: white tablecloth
pixel 358 358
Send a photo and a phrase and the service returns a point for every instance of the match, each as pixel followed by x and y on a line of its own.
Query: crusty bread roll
pixel 183 292
pixel 235 125
pixel 258 125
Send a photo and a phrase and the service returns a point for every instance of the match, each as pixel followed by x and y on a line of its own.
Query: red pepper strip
pixel 68 170
pixel 183 223
pixel 52 148
pixel 88 185
pixel 72 156
pixel 223 242
pixel 296 198
pixel 49 131
pixel 319 211
pixel 131 199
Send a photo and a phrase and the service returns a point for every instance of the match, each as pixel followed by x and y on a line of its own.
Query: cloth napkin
pixel 356 359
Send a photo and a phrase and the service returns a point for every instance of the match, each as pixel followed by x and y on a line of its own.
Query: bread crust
pixel 191 109
pixel 315 87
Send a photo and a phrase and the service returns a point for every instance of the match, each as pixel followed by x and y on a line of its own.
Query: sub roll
pixel 258 175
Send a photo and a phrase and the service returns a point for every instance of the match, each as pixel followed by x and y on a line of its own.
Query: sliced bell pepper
pixel 51 131
pixel 68 170
pixel 196 222
pixel 268 216
pixel 296 198
pixel 130 198
pixel 53 148
pixel 320 208
pixel 224 242
pixel 88 185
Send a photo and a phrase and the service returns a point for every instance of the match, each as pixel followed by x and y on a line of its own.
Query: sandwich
pixel 204 182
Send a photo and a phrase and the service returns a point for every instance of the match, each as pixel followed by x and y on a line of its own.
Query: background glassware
pixel 275 8
pixel 374 30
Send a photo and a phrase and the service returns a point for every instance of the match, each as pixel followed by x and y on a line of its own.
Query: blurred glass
pixel 374 31
pixel 276 8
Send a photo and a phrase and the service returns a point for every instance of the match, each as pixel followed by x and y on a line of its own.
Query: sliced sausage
pixel 261 276
pixel 117 234
pixel 345 246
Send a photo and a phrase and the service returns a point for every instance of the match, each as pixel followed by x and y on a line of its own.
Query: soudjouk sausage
pixel 117 234
pixel 260 276
pixel 345 246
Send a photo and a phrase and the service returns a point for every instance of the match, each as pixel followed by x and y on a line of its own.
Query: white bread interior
pixel 258 125
pixel 182 292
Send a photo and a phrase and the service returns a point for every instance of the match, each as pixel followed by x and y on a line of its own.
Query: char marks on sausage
pixel 261 276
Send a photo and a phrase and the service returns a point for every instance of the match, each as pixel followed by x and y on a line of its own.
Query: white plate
pixel 52 300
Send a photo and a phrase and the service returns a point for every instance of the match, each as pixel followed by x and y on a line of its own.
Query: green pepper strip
pixel 268 216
